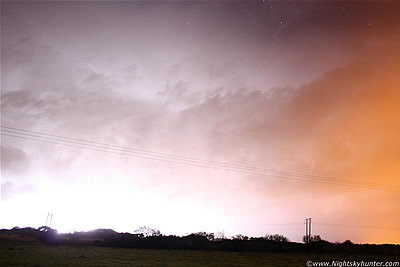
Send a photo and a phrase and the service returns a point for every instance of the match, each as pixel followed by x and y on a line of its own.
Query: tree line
pixel 149 238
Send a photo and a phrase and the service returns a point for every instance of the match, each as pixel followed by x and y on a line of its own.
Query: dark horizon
pixel 51 236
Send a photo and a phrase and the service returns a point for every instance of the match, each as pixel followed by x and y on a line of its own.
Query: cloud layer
pixel 291 87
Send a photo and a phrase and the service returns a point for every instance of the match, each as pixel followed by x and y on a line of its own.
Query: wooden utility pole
pixel 307 238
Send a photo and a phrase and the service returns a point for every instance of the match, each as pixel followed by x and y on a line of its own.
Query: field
pixel 33 253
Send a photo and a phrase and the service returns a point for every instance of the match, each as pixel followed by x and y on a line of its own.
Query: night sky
pixel 306 88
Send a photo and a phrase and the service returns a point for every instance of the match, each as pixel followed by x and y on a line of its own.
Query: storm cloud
pixel 309 88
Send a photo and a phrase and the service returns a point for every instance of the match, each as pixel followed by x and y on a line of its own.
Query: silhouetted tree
pixel 220 235
pixel 240 237
pixel 313 238
pixel 347 243
pixel 209 236
pixel 145 231
pixel 276 238
pixel 316 238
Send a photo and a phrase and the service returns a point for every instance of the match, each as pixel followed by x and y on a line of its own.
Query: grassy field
pixel 32 253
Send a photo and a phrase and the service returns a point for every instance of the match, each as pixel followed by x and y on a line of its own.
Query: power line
pixel 191 164
pixel 170 158
pixel 176 157
pixel 273 224
pixel 177 160
pixel 146 152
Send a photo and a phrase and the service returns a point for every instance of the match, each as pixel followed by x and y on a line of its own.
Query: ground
pixel 33 253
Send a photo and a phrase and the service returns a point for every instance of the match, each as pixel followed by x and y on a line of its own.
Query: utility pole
pixel 47 219
pixel 307 238
pixel 306 234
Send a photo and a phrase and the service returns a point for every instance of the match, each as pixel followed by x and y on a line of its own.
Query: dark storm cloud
pixel 223 114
